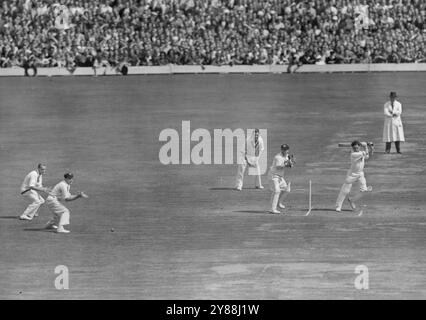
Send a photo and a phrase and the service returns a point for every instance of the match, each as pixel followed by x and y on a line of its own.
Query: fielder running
pixel 277 184
pixel 32 183
pixel 61 214
pixel 254 149
pixel 355 174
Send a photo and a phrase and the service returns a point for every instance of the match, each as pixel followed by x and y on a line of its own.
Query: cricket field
pixel 155 231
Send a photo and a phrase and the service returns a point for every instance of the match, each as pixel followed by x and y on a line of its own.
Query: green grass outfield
pixel 179 231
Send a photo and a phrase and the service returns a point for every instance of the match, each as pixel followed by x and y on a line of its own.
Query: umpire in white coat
pixel 393 130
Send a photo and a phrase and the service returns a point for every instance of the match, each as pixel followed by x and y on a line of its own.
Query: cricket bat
pixel 370 146
pixel 348 144
pixel 344 144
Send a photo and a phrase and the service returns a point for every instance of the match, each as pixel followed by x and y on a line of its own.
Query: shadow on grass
pixel 252 211
pixel 292 209
pixel 9 217
pixel 330 210
pixel 39 230
pixel 233 188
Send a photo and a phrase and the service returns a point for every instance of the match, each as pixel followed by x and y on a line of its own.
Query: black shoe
pixel 398 146
pixel 388 147
pixel 399 152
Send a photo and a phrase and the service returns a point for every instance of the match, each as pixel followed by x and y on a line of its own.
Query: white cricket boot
pixel 62 230
pixel 51 225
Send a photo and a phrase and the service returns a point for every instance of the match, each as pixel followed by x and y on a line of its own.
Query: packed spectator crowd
pixel 72 33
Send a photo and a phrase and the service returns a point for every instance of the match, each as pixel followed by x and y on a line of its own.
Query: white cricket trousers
pixel 278 186
pixel 61 215
pixel 240 174
pixel 347 186
pixel 36 201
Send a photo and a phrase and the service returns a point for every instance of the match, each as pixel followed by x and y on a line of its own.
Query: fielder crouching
pixel 61 214
pixel 33 183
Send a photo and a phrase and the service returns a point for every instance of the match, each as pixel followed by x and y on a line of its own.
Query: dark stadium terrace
pixel 186 32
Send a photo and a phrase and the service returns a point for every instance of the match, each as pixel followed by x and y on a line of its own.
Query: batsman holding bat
pixel 254 148
pixel 355 174
pixel 370 146
pixel 61 214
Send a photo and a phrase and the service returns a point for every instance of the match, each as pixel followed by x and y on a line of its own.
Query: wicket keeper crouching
pixel 61 214
pixel 278 185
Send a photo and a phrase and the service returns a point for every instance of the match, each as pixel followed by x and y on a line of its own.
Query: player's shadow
pixel 9 217
pixel 39 230
pixel 252 211
pixel 233 188
pixel 329 210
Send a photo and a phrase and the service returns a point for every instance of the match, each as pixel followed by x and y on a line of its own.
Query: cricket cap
pixel 285 146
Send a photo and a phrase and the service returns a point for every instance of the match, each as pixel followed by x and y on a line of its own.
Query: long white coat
pixel 393 129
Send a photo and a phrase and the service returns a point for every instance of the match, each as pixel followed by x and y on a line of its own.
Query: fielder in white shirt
pixel 61 214
pixel 277 184
pixel 355 174
pixel 254 149
pixel 32 184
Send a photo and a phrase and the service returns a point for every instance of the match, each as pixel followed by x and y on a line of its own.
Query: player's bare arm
pixel 73 197
pixel 365 148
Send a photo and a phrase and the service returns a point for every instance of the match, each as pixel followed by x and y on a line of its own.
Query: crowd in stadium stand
pixel 72 33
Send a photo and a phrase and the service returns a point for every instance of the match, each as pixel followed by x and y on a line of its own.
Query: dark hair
pixel 355 143
pixel 285 146
pixel 68 175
